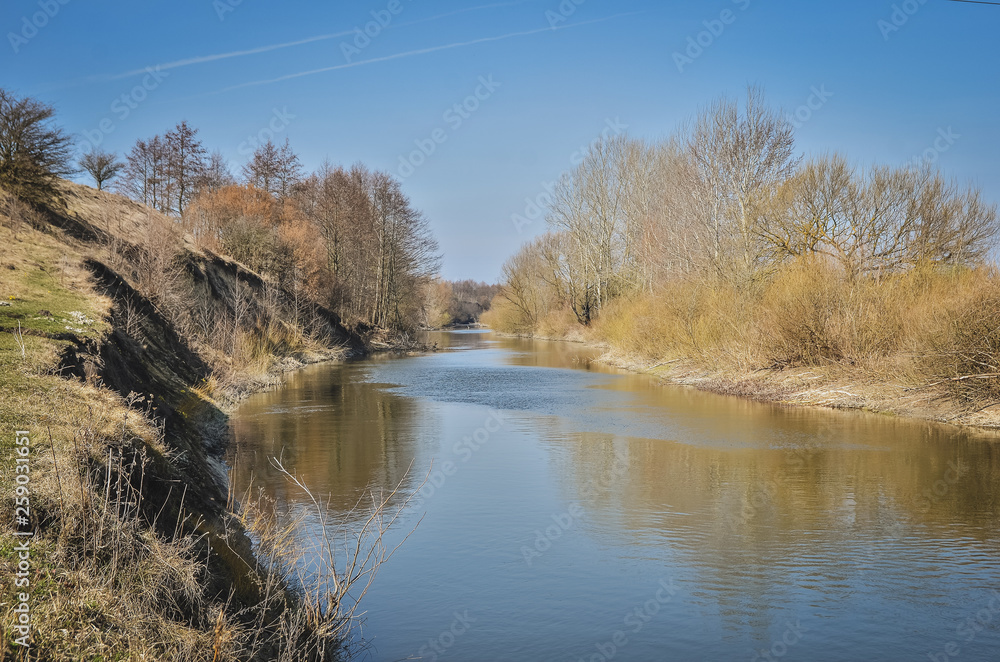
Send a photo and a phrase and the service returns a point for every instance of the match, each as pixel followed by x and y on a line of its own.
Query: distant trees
pixel 469 300
pixel 456 302
pixel 34 152
pixel 273 169
pixel 727 202
pixel 378 250
pixel 166 172
pixel 349 239
pixel 102 166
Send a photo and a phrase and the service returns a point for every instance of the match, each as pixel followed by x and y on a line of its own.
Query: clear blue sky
pixel 892 90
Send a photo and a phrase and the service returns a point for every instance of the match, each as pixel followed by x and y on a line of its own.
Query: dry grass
pixel 504 318
pixel 106 586
pixel 923 342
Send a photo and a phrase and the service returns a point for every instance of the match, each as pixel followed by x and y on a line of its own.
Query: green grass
pixel 42 298
pixel 45 284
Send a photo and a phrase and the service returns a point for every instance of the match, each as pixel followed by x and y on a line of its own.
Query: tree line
pixel 727 200
pixel 720 249
pixel 460 302
pixel 348 238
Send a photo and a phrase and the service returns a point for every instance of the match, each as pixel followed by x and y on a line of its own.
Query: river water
pixel 572 512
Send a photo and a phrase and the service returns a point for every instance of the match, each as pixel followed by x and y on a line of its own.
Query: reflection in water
pixel 338 432
pixel 872 537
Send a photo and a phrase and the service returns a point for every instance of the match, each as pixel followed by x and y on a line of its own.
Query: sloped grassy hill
pixel 124 397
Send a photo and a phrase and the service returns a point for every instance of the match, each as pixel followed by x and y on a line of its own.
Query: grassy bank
pixel 923 343
pixel 122 347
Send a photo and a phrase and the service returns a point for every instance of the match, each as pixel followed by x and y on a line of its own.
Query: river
pixel 574 512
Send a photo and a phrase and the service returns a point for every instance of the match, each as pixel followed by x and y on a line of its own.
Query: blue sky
pixel 894 77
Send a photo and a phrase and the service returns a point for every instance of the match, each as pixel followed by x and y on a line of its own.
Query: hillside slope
pixel 122 345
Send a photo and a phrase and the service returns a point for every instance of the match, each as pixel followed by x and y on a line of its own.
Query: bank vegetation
pixel 720 257
pixel 129 325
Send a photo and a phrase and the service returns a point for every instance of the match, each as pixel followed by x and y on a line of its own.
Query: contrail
pixel 273 47
pixel 423 51
pixel 226 56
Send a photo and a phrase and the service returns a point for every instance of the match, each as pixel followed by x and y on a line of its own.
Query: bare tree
pixel 879 220
pixel 216 174
pixel 677 242
pixel 146 176
pixel 602 210
pixel 332 571
pixel 535 283
pixel 273 169
pixel 739 154
pixel 102 166
pixel 289 170
pixel 262 170
pixel 185 165
pixel 34 152
pixel 165 172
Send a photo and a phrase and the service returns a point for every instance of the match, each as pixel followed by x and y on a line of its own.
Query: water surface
pixel 576 513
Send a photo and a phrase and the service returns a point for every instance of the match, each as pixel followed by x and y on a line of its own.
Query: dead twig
pixel 19 340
